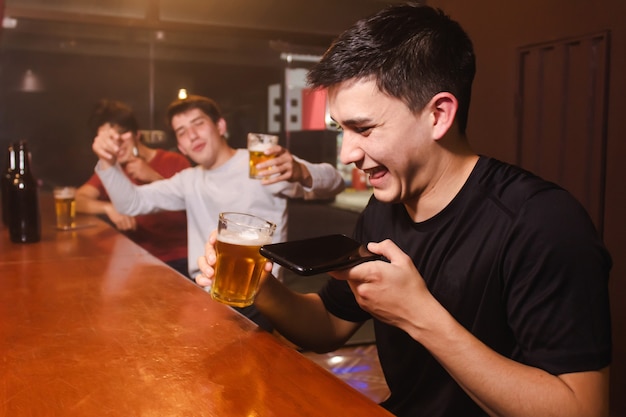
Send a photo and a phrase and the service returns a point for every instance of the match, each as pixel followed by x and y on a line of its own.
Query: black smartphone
pixel 319 254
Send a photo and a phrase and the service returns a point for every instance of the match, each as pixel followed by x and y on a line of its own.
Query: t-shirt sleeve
pixel 556 288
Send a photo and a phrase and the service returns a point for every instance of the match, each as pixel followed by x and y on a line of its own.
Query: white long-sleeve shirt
pixel 206 193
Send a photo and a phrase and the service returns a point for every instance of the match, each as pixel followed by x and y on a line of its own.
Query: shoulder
pixel 512 188
pixel 162 154
pixel 544 218
pixel 529 199
pixel 241 154
pixel 168 163
pixel 510 182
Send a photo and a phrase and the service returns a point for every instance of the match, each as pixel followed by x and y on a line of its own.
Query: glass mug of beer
pixel 258 143
pixel 239 264
pixel 65 207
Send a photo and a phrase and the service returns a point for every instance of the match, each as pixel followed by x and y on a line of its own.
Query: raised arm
pixel 316 181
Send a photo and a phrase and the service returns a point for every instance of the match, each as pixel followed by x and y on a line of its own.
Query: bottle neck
pixel 23 164
pixel 11 163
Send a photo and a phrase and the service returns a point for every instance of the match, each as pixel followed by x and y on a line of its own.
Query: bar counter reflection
pixel 94 325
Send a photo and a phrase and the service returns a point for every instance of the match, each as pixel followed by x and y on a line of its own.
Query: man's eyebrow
pixel 195 119
pixel 357 121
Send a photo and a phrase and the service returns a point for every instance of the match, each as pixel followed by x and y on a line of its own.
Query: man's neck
pixel 225 154
pixel 145 153
pixel 443 189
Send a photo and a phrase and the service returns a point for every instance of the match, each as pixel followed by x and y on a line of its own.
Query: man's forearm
pixel 119 187
pixel 91 206
pixel 302 318
pixel 324 181
pixel 504 387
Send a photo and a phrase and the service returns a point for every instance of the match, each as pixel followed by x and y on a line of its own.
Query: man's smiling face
pixel 384 138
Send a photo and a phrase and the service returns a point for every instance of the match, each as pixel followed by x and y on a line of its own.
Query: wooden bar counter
pixel 92 325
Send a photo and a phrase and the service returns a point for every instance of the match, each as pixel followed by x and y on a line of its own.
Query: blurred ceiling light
pixel 68 44
pixel 182 93
pixel 159 35
pixel 31 82
pixel 9 23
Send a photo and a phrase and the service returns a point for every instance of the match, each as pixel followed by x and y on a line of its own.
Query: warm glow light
pixel 182 93
pixel 31 82
pixel 9 23
pixel 335 360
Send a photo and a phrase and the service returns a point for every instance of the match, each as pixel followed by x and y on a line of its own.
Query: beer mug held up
pixel 239 265
pixel 258 143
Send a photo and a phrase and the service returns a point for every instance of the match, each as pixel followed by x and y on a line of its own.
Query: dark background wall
pixel 54 120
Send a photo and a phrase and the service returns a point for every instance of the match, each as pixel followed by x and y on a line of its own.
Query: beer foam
pixel 247 237
pixel 259 147
pixel 64 193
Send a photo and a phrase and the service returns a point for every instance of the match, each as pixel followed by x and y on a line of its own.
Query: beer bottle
pixel 7 177
pixel 24 216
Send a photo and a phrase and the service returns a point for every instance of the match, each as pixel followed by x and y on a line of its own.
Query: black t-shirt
pixel 516 260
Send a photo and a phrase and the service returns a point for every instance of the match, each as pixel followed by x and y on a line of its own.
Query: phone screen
pixel 319 254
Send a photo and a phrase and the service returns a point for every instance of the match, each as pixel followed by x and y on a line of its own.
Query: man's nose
pixel 193 133
pixel 350 151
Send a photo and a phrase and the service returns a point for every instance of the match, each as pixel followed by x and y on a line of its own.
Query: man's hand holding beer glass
pixel 283 167
pixel 271 163
pixel 238 264
pixel 207 262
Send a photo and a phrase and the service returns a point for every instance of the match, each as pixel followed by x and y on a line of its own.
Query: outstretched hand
pixel 106 144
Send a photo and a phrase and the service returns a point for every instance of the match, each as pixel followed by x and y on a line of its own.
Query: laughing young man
pixel 495 299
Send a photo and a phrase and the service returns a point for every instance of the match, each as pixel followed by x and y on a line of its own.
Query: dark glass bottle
pixel 24 216
pixel 7 177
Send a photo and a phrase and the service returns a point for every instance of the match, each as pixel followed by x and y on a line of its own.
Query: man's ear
pixel 221 127
pixel 444 106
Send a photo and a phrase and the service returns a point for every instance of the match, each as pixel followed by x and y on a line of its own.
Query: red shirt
pixel 163 234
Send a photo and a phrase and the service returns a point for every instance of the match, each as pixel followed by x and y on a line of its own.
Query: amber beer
pixel 258 143
pixel 239 264
pixel 65 207
pixel 256 157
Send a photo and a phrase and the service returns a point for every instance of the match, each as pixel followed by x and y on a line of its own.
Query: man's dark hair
pixel 205 104
pixel 115 113
pixel 412 52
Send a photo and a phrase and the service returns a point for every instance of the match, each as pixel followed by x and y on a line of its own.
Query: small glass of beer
pixel 258 143
pixel 239 264
pixel 65 207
